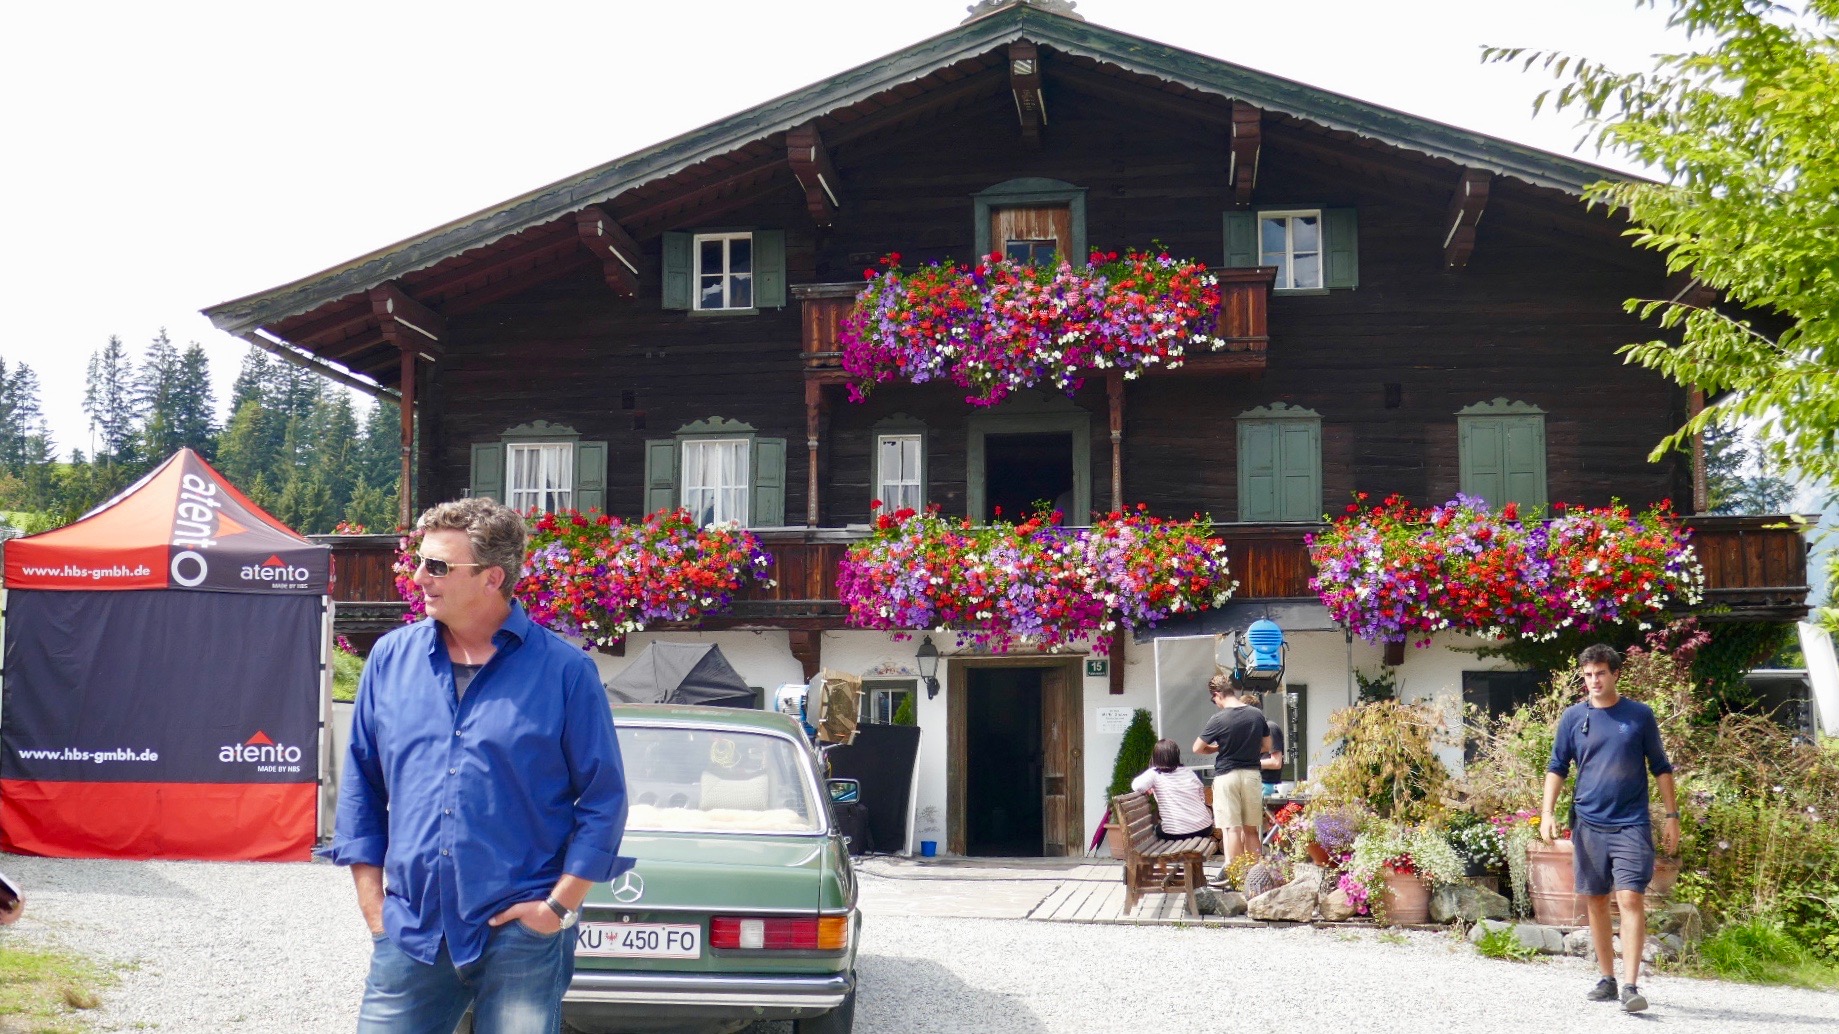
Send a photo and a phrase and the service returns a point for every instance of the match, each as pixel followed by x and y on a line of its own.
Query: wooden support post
pixel 808 647
pixel 1119 639
pixel 1465 208
pixel 1701 486
pixel 810 161
pixel 1245 142
pixel 406 491
pixel 1025 84
pixel 814 414
pixel 1114 390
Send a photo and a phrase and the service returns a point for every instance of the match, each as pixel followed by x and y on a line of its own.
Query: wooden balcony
pixel 1244 325
pixel 1755 570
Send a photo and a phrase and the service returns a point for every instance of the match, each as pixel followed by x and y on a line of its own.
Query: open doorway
pixel 1003 785
pixel 1022 469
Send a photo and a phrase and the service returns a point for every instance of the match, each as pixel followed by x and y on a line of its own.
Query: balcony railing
pixel 1755 570
pixel 1244 323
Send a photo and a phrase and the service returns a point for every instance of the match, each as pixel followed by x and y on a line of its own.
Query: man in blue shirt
pixel 1615 743
pixel 482 797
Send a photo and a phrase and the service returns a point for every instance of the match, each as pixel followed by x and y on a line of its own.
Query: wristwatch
pixel 568 916
pixel 1672 814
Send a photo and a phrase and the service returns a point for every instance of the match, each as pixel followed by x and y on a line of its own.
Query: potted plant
pixel 1398 866
pixel 1483 851
pixel 1132 758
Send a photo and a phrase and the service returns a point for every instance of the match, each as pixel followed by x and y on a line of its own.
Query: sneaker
pixel 1632 1001
pixel 1604 991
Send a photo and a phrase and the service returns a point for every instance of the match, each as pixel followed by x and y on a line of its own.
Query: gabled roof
pixel 974 39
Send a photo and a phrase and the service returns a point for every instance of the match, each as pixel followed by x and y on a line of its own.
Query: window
pixel 1292 241
pixel 900 479
pixel 1039 216
pixel 715 479
pixel 1503 452
pixel 1313 249
pixel 540 476
pixel 881 699
pixel 1034 253
pixel 724 271
pixel 1280 464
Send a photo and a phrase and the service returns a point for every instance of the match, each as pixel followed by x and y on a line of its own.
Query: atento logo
pixel 274 569
pixel 259 749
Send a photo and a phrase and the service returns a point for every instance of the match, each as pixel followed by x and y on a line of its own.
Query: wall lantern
pixel 928 657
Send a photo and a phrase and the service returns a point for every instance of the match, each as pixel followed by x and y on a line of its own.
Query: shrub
pixel 1387 762
pixel 346 668
pixel 903 715
pixel 1133 753
pixel 1763 950
pixel 1502 943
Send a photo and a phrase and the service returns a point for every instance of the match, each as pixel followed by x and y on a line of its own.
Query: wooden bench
pixel 1152 863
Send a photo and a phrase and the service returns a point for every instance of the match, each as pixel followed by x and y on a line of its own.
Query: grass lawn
pixel 44 990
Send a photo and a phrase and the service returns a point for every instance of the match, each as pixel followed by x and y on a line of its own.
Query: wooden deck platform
pixel 1095 894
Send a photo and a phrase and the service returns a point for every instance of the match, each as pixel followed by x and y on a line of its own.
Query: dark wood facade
pixel 550 309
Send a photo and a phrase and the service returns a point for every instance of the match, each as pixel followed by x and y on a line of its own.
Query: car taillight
pixel 819 933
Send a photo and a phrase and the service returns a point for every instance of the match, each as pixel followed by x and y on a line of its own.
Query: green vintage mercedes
pixel 742 906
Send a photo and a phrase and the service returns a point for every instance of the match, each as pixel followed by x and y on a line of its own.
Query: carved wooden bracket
pixel 1025 82
pixel 1465 209
pixel 807 647
pixel 406 323
pixel 1242 170
pixel 810 161
pixel 613 246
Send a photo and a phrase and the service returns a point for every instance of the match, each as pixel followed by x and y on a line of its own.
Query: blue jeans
pixel 515 987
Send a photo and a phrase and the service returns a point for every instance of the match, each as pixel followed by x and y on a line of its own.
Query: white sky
pixel 160 158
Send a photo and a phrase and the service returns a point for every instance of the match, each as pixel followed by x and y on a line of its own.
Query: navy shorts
pixel 1612 858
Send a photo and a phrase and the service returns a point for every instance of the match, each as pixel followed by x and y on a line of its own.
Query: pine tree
pixel 334 431
pixel 243 451
pixel 24 439
pixel 194 403
pixel 1133 753
pixel 155 384
pixel 109 399
pixel 379 461
pixel 251 380
pixel 1734 476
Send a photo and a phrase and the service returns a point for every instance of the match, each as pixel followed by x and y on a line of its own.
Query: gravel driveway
pixel 216 947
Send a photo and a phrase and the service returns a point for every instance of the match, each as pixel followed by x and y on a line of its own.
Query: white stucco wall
pixel 1316 659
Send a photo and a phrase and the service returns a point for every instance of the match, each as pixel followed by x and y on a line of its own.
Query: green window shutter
pixel 678 274
pixel 769 269
pixel 767 493
pixel 1299 470
pixel 661 475
pixel 1483 459
pixel 1258 470
pixel 1523 460
pixel 1341 248
pixel 488 470
pixel 591 476
pixel 1241 239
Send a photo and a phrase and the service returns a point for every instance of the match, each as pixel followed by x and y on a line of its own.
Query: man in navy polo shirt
pixel 1615 743
pixel 482 797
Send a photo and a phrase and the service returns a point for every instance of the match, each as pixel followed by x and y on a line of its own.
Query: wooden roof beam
pixel 810 161
pixel 511 284
pixel 1025 83
pixel 1465 208
pixel 665 203
pixel 1246 142
pixel 407 323
pixel 607 241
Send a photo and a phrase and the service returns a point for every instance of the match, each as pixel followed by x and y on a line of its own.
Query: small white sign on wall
pixel 1113 719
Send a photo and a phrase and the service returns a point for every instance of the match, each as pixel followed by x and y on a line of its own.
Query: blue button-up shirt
pixel 473 805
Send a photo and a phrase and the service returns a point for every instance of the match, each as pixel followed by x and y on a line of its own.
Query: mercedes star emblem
pixel 628 888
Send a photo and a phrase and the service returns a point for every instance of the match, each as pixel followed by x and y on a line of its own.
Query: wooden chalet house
pixel 1410 307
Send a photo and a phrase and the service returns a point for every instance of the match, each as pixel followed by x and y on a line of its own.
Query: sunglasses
pixel 439 568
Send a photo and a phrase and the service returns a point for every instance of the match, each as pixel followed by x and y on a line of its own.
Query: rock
pixel 1466 902
pixel 1547 940
pixel 1314 875
pixel 1334 906
pixel 1485 927
pixel 1578 943
pixel 1679 919
pixel 1212 902
pixel 1290 903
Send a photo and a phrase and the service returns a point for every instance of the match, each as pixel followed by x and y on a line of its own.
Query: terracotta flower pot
pixel 1551 880
pixel 1318 854
pixel 1407 899
pixel 1115 840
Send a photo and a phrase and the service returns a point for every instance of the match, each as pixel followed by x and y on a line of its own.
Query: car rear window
pixel 715 780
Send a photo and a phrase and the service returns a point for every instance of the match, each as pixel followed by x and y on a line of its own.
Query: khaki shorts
pixel 1238 799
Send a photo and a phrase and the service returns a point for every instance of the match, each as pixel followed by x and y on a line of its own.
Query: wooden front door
pixel 1062 751
pixel 1033 234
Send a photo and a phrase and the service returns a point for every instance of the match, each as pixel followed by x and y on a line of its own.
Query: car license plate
pixel 638 940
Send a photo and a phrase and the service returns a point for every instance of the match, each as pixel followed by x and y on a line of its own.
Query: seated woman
pixel 1181 804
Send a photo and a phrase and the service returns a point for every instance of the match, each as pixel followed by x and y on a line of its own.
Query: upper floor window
pixel 900 481
pixel 540 476
pixel 1503 452
pixel 1280 464
pixel 715 479
pixel 724 271
pixel 1292 241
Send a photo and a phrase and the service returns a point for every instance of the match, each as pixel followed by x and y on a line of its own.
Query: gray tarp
pixel 681 673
